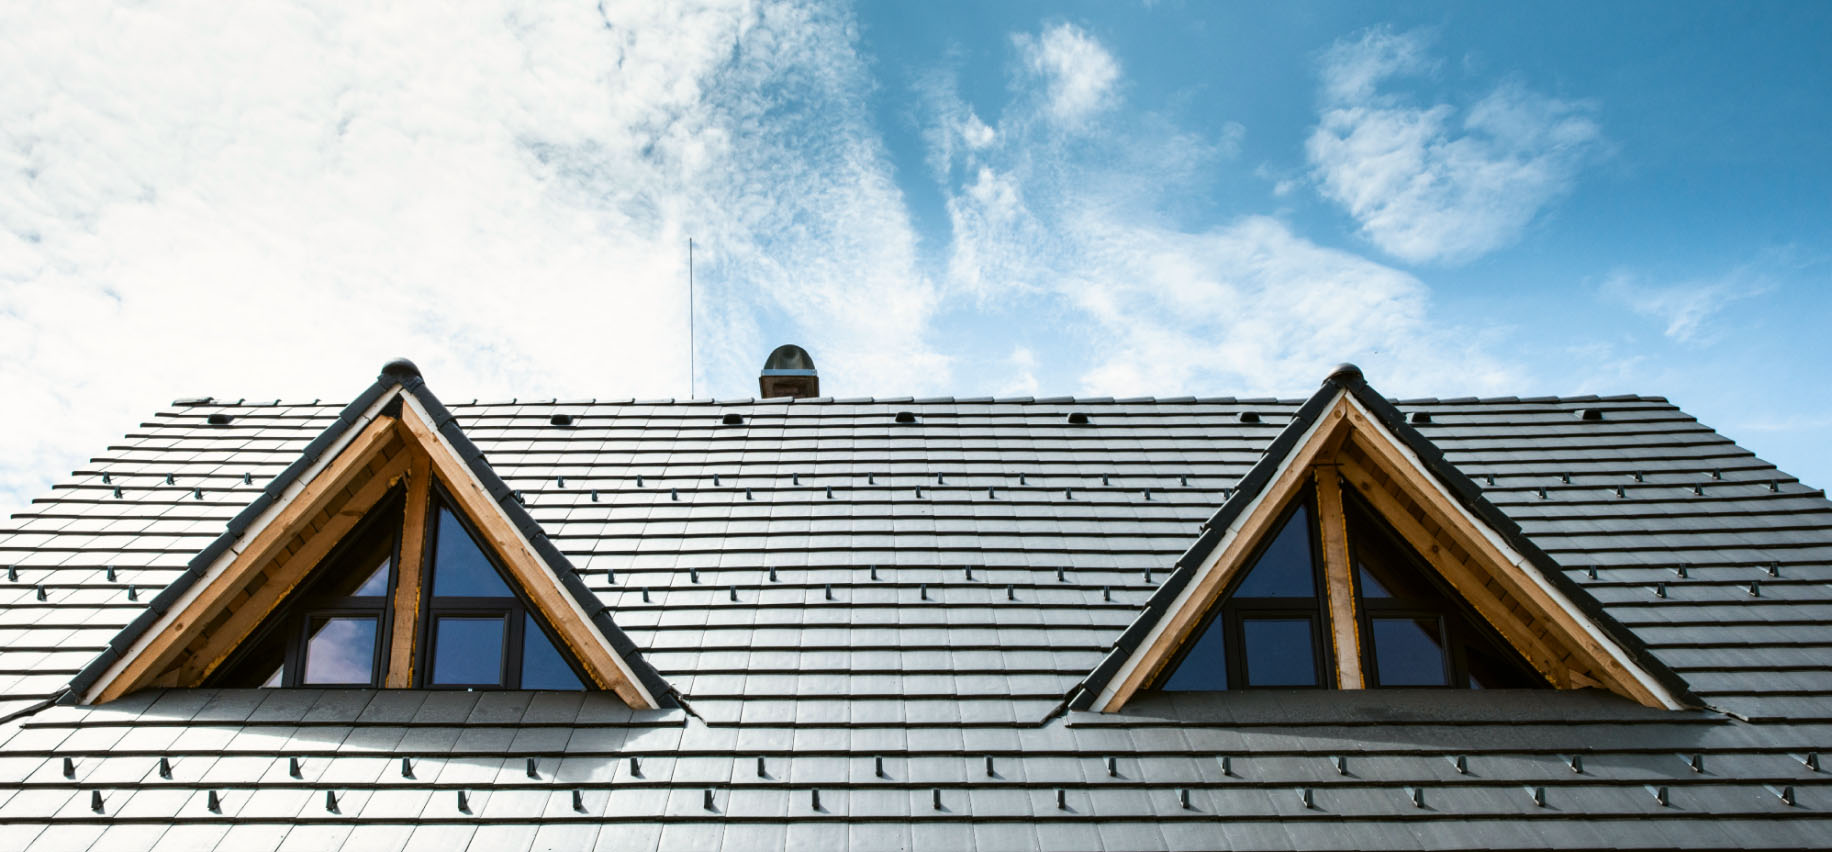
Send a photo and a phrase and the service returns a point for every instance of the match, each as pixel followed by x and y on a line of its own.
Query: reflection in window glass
pixel 467 650
pixel 1409 651
pixel 340 650
pixel 1285 569
pixel 459 567
pixel 1279 651
pixel 1205 667
pixel 376 585
pixel 542 666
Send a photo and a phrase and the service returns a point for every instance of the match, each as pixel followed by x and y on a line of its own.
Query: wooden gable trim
pixel 1541 623
pixel 194 640
pixel 1185 613
pixel 572 624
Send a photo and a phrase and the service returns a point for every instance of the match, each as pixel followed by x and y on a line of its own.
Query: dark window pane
pixel 1370 587
pixel 542 665
pixel 467 650
pixel 1285 569
pixel 1205 667
pixel 1385 568
pixel 459 567
pixel 1279 651
pixel 361 566
pixel 1409 652
pixel 1490 670
pixel 340 650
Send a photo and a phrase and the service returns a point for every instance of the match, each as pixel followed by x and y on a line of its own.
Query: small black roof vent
pixel 906 417
pixel 560 420
pixel 789 371
pixel 1078 418
pixel 1418 417
pixel 1590 414
pixel 732 419
pixel 220 419
pixel 1249 417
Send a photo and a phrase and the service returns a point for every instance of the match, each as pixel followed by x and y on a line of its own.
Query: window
pixel 1272 629
pixel 474 631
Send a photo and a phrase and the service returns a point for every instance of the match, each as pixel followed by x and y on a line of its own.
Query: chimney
pixel 789 372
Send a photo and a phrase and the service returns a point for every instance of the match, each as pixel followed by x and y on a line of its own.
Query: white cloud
pixel 1435 183
pixel 1247 307
pixel 1686 308
pixel 272 200
pixel 1080 75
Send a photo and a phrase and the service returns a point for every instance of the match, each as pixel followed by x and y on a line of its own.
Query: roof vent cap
pixel 220 419
pixel 1590 414
pixel 789 371
pixel 400 370
pixel 732 418
pixel 1078 418
pixel 906 417
pixel 560 420
pixel 1249 417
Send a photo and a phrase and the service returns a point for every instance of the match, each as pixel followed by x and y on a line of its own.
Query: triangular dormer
pixel 1354 556
pixel 388 555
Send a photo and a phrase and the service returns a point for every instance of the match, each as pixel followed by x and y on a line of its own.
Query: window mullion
pixel 1338 579
pixel 408 571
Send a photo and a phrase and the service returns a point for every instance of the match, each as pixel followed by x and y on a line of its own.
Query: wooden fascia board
pixel 1484 543
pixel 536 578
pixel 1185 612
pixel 314 488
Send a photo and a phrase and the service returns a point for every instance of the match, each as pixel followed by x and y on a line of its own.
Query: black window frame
pixel 1235 610
pixel 300 607
pixel 1459 626
pixel 515 611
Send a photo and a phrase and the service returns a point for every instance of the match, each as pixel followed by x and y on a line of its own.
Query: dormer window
pixel 474 631
pixel 1273 629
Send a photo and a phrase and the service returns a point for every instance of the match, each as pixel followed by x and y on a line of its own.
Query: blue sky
pixel 937 198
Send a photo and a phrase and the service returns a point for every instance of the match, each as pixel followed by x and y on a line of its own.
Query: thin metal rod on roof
pixel 12 573
pixel 828 590
pixel 1062 799
pixel 814 799
pixel 760 768
pixel 1060 576
pixel 693 575
pixel 989 772
pixel 734 593
pixel 1011 593
pixel 969 570
pixel 935 797
pixel 878 767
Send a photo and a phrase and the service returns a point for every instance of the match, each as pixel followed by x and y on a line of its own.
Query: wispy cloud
pixel 1688 308
pixel 274 201
pixel 1437 182
pixel 1246 307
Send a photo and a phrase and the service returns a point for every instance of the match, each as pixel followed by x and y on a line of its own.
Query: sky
pixel 270 200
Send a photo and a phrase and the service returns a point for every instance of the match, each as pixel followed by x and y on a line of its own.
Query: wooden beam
pixel 216 648
pixel 1338 578
pixel 408 571
pixel 323 490
pixel 1493 607
pixel 1179 624
pixel 535 579
pixel 1599 659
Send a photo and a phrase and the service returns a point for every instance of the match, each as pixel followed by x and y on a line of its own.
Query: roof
pixel 929 595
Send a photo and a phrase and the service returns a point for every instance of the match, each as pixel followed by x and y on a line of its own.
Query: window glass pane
pixel 1388 569
pixel 377 584
pixel 340 650
pixel 542 665
pixel 1285 569
pixel 1489 670
pixel 276 679
pixel 459 567
pixel 1205 667
pixel 1279 651
pixel 468 650
pixel 1409 651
